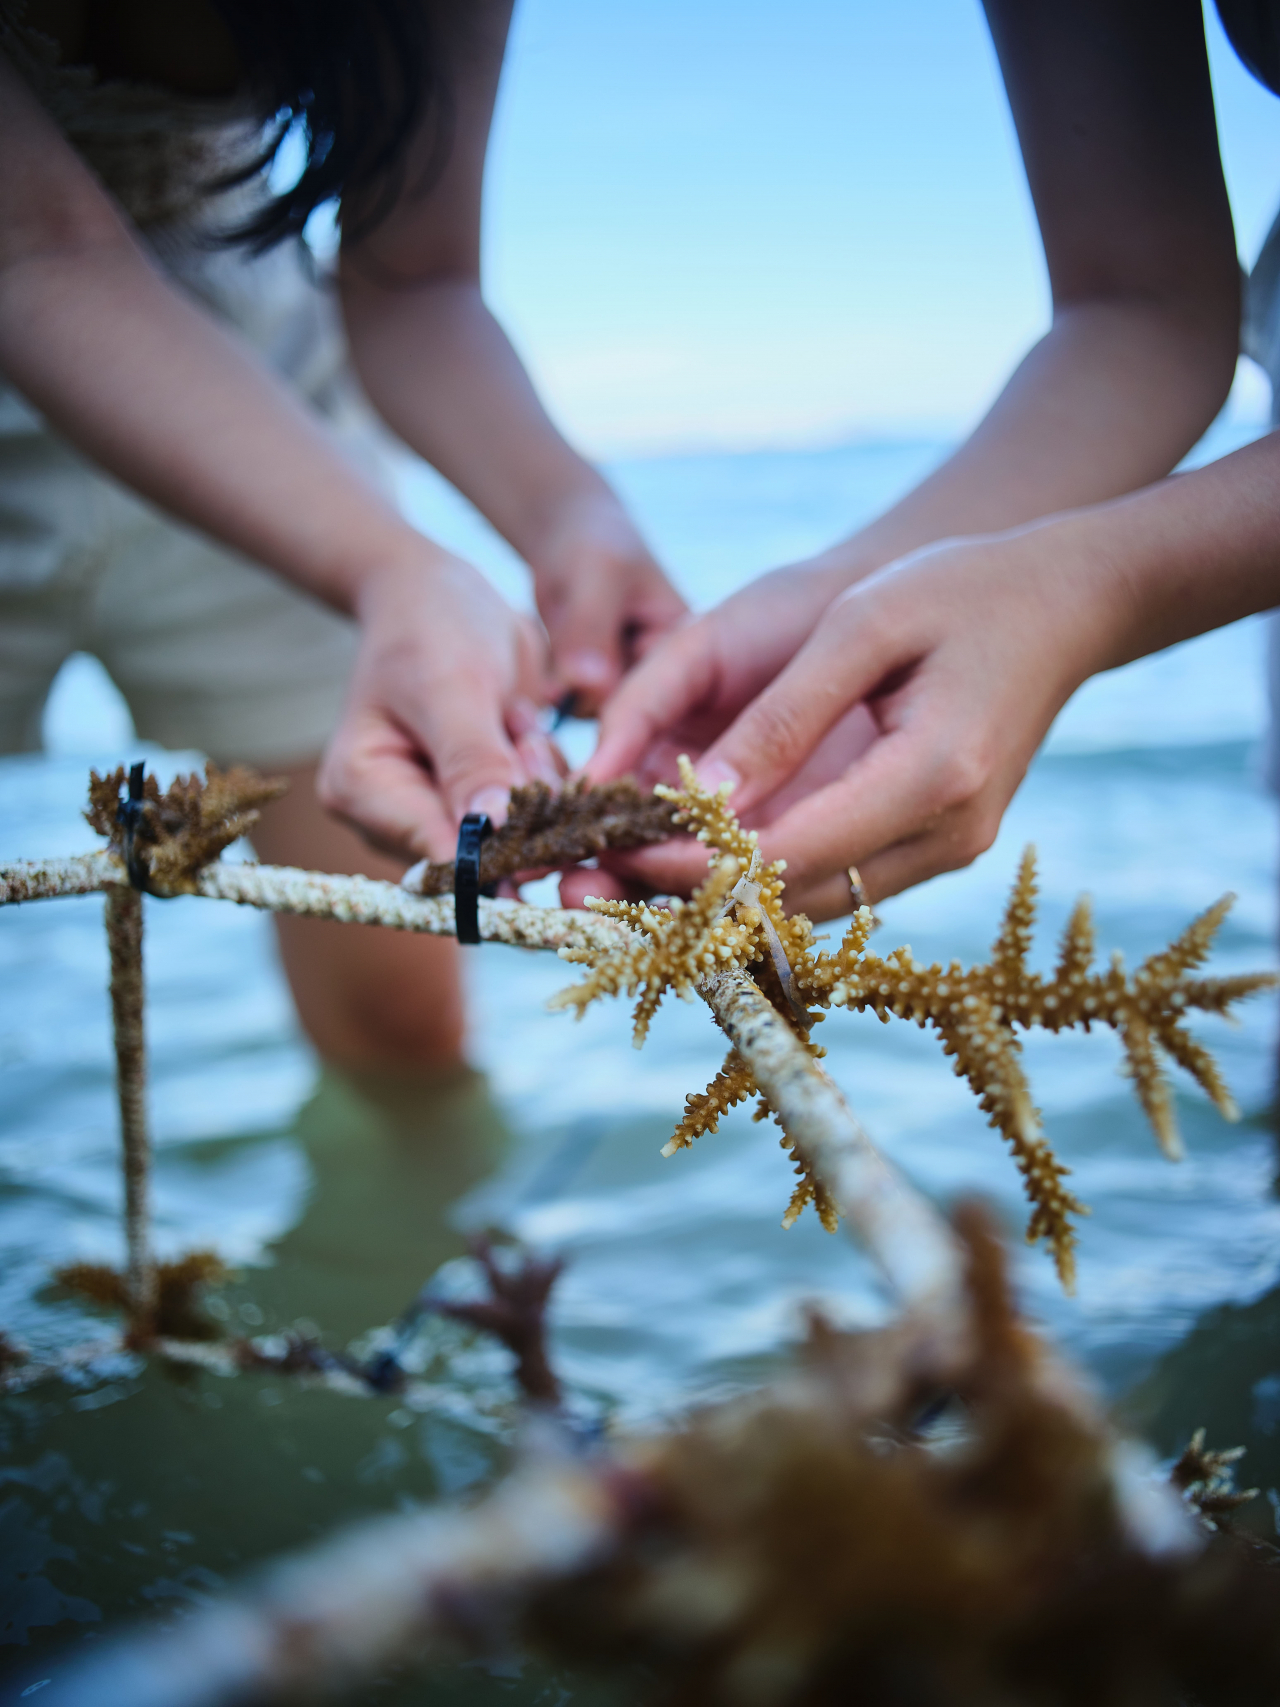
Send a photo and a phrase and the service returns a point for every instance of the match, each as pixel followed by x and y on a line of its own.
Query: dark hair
pixel 360 77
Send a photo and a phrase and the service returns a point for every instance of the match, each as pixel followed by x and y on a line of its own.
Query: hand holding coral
pixel 896 733
pixel 440 716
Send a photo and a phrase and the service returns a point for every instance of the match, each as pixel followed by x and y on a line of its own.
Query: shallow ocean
pixel 136 1491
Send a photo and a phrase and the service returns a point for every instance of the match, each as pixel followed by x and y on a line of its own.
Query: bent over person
pixel 188 472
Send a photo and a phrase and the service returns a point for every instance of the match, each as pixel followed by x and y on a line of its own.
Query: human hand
pixel 602 597
pixel 692 685
pixel 688 691
pixel 441 712
pixel 961 655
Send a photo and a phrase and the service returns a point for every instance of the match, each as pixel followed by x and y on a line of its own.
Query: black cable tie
pixel 565 708
pixel 129 817
pixel 467 888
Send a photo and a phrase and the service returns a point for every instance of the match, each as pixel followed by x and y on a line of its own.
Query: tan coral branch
pixel 906 1237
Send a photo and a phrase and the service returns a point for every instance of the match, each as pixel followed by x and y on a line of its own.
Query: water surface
pixel 137 1491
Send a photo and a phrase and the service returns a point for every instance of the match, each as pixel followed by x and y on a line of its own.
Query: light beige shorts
pixel 208 650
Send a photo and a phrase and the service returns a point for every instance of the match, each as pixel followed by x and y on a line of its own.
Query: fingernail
pixel 493 802
pixel 714 772
pixel 589 669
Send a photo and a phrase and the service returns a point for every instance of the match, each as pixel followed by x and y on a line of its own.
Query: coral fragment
pixel 737 918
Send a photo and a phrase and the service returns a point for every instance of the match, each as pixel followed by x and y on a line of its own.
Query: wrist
pixel 1085 580
pixel 582 528
pixel 386 569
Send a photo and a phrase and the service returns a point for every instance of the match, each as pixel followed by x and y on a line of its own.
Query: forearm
pixel 442 373
pixel 1184 556
pixel 1108 401
pixel 150 388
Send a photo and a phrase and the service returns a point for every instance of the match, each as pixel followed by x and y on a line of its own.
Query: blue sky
pixel 740 223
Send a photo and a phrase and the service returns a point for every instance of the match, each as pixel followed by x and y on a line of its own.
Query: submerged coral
pixel 807 1545
pixel 180 1286
pixel 1207 1481
pixel 514 1312
pixel 736 918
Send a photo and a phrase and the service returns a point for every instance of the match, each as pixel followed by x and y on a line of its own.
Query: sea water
pixel 137 1491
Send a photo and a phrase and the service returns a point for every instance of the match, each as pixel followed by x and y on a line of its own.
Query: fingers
pixel 533 675
pixel 461 728
pixel 658 694
pixel 671 868
pixel 416 749
pixel 372 778
pixel 541 759
pixel 846 657
pixel 586 630
pixel 903 786
pixel 924 800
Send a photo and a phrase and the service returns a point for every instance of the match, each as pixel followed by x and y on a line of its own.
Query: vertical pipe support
pixel 124 941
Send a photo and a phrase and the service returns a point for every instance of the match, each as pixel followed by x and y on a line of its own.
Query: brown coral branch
pixel 514 1313
pixel 1207 1481
pixel 796 1547
pixel 546 830
pixel 178 1286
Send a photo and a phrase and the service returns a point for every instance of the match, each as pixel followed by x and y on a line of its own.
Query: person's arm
pixel 1115 116
pixel 965 652
pixel 441 371
pixel 141 380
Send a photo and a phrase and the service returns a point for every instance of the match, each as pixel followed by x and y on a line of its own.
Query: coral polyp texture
pixel 185 826
pixel 737 918
pixel 548 829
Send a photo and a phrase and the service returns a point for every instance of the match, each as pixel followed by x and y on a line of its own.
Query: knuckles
pixel 963 775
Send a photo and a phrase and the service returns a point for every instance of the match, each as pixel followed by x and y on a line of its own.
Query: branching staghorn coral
pixel 731 942
pixel 1206 1480
pixel 734 919
pixel 737 918
pixel 975 1011
pixel 808 1541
